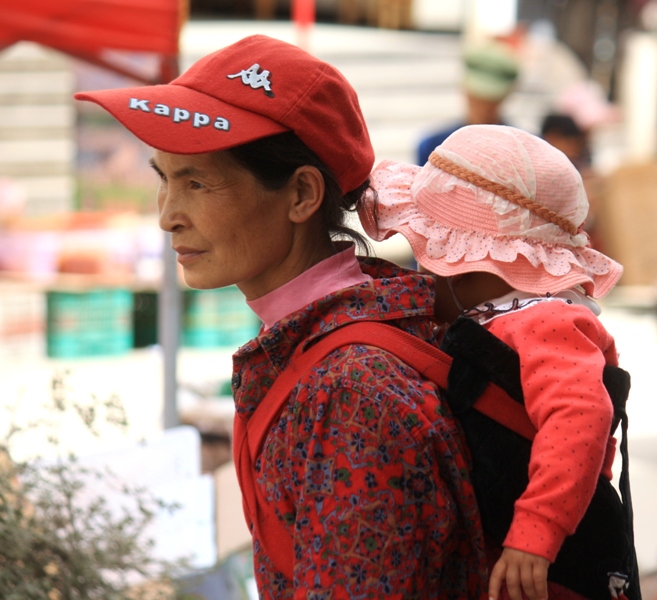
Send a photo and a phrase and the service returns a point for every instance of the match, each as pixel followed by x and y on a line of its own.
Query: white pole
pixel 638 95
pixel 169 321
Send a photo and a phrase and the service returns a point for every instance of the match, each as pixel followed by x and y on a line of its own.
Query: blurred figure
pixel 587 103
pixel 491 70
pixel 562 132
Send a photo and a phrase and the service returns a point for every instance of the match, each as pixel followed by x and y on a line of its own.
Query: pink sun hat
pixel 496 199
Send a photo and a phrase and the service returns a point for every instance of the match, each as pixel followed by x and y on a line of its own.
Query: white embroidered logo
pixel 180 115
pixel 254 79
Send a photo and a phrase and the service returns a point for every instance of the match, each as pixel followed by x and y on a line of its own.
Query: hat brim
pixel 526 265
pixel 517 272
pixel 197 133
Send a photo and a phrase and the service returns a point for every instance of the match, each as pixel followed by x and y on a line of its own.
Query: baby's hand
pixel 520 570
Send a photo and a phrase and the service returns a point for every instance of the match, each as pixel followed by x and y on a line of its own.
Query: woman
pixel 261 150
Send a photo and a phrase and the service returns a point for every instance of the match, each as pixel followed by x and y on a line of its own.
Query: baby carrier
pixel 598 561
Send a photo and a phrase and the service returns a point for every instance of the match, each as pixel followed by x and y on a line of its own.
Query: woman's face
pixel 226 228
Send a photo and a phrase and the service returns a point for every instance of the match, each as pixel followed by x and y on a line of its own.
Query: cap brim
pixel 211 124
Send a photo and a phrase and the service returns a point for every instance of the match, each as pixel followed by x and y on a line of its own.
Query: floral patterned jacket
pixel 366 466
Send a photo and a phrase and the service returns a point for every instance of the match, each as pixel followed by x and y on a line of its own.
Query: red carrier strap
pixel 249 435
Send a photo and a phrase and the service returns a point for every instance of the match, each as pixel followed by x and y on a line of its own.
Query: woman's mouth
pixel 187 255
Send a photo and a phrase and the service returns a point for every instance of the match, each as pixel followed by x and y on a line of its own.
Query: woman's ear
pixel 307 185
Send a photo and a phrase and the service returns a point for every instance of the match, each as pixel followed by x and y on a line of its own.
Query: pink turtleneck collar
pixel 326 277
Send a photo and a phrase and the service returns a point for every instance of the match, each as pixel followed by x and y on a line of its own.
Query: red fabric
pixel 499 407
pixel 608 464
pixel 248 440
pixel 303 12
pixel 94 25
pixel 365 468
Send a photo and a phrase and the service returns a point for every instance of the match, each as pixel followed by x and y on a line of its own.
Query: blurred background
pixel 88 290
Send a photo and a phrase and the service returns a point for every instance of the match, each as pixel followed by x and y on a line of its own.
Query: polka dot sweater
pixel 563 349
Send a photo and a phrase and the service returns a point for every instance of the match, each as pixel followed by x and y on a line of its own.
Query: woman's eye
pixel 195 185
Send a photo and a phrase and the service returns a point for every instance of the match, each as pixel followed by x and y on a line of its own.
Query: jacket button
pixel 236 381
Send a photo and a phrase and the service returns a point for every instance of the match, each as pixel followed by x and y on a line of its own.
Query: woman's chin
pixel 199 281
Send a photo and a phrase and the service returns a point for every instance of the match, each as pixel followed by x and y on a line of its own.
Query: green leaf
pixel 395 483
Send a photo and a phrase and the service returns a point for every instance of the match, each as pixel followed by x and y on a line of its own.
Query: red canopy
pixel 88 28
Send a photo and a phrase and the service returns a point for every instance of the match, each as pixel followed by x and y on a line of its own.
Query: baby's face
pixel 465 291
pixel 445 308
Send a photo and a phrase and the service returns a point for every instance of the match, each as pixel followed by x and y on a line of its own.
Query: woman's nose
pixel 172 214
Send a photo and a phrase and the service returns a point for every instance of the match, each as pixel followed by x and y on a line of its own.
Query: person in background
pixel 490 73
pixel 562 132
pixel 495 214
pixel 261 151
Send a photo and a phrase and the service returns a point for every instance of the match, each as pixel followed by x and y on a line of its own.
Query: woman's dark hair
pixel 273 160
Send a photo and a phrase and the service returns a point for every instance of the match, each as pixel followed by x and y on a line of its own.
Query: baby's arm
pixel 563 350
pixel 523 572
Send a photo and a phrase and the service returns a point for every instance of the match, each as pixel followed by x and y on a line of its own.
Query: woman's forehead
pixel 207 163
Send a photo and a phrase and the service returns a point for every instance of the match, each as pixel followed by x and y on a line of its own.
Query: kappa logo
pixel 179 115
pixel 253 78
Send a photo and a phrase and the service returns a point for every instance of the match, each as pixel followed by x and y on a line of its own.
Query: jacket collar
pixel 393 293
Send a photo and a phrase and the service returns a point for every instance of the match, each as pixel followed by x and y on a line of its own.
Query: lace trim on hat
pixel 454 245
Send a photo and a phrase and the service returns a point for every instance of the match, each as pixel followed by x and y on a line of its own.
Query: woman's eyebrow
pixel 154 166
pixel 182 172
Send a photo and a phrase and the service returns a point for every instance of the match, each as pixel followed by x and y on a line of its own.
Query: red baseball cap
pixel 254 88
